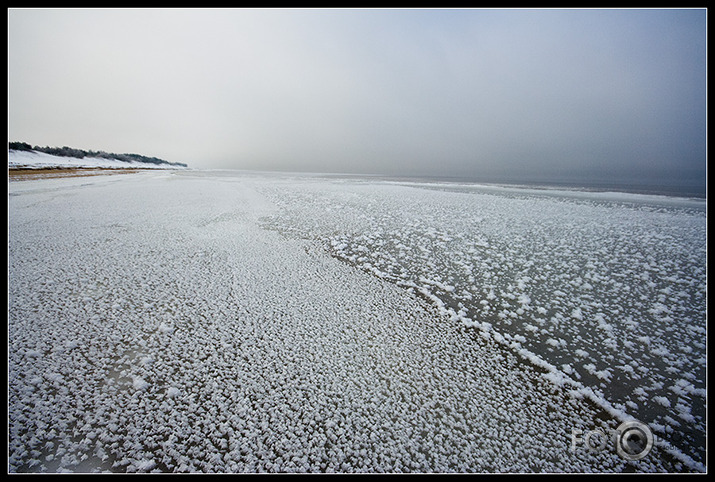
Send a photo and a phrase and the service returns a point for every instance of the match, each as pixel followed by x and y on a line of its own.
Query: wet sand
pixel 15 174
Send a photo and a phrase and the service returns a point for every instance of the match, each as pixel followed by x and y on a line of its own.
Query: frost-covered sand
pixel 211 322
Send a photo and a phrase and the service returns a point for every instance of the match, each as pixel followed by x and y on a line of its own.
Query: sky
pixel 543 95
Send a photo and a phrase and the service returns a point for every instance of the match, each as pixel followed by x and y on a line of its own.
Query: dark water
pixel 675 188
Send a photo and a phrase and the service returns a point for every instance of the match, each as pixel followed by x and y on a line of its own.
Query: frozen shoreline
pixel 156 324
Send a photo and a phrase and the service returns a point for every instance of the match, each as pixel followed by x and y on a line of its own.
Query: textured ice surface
pixel 197 322
pixel 610 285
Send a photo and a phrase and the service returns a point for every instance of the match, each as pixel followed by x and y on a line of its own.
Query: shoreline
pixel 30 174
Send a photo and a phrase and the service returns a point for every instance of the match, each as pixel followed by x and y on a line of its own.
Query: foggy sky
pixel 532 94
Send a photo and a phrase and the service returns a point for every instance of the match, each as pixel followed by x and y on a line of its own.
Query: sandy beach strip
pixel 21 174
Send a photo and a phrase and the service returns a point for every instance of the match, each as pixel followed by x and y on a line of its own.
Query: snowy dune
pixel 41 160
pixel 191 321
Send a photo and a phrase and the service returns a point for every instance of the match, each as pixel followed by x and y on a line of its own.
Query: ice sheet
pixel 203 322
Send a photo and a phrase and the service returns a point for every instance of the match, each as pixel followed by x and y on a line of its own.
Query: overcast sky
pixel 542 94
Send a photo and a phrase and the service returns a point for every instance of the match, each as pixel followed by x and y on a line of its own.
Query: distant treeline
pixel 79 154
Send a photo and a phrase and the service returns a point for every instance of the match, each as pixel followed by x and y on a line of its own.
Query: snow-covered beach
pixel 207 321
pixel 29 159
